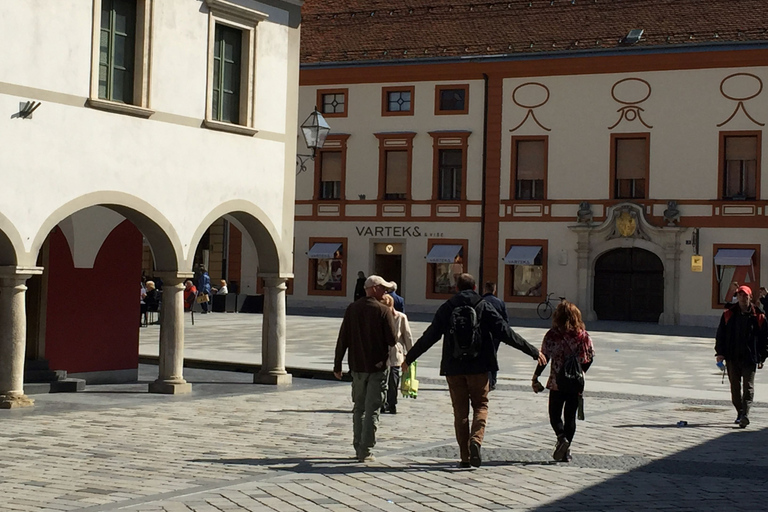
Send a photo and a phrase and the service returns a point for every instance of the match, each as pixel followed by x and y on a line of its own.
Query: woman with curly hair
pixel 567 338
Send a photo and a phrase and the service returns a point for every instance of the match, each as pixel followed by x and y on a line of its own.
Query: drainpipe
pixel 482 201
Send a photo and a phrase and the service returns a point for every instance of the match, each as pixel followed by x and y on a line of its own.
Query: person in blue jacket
pixel 204 287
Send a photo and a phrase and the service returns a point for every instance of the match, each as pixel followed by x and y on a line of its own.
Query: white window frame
pixel 140 106
pixel 245 20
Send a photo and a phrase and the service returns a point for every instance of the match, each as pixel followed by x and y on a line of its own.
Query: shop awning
pixel 323 251
pixel 734 257
pixel 443 253
pixel 522 254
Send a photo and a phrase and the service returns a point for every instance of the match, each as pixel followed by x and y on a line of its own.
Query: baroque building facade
pixel 607 152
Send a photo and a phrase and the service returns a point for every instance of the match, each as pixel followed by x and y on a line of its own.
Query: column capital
pixel 12 275
pixel 21 272
pixel 275 282
pixel 276 275
pixel 173 277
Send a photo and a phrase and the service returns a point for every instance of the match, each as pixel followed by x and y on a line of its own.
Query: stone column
pixel 170 378
pixel 13 335
pixel 273 334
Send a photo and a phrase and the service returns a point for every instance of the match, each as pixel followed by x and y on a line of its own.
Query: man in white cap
pixel 367 331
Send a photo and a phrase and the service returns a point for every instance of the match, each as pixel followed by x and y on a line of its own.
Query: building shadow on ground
pixel 727 473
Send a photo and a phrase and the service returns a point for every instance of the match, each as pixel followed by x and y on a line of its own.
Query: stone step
pixel 44 375
pixel 68 385
pixel 37 388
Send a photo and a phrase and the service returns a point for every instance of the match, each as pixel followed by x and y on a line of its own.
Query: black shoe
pixel 738 418
pixel 383 410
pixel 464 465
pixel 474 454
pixel 561 450
pixel 392 409
pixel 744 422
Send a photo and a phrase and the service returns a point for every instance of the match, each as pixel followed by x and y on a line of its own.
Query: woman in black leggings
pixel 567 338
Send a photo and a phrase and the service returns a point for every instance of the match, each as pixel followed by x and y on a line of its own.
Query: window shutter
pixel 397 172
pixel 530 160
pixel 631 159
pixel 330 164
pixel 741 148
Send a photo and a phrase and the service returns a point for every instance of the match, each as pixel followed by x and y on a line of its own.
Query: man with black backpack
pixel 468 326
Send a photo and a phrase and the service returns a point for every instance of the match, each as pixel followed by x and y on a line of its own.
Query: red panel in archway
pixel 92 317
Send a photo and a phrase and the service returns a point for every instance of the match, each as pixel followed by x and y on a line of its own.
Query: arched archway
pixel 154 226
pixel 84 311
pixel 210 253
pixel 629 285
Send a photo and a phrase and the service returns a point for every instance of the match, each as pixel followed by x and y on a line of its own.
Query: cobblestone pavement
pixel 234 446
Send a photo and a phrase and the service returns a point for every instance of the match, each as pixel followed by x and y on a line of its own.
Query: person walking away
pixel 399 301
pixel 367 332
pixel 741 342
pixel 468 325
pixel 396 354
pixel 204 288
pixel 490 297
pixel 568 338
pixel 360 286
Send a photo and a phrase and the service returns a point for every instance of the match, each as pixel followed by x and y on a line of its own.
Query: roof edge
pixel 563 54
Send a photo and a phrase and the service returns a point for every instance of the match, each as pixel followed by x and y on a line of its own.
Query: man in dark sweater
pixel 468 377
pixel 367 331
pixel 741 342
pixel 490 297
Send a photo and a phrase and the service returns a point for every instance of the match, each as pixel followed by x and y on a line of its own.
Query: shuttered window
pixel 530 169
pixel 631 167
pixel 740 179
pixel 330 175
pixel 396 181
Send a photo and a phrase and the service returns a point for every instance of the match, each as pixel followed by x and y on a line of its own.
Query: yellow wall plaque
pixel 697 263
pixel 626 224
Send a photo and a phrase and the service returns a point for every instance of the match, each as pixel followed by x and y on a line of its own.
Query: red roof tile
pixel 358 30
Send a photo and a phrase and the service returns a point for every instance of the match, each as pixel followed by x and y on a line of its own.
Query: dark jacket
pixel 360 288
pixel 367 331
pixel 204 283
pixel 491 326
pixel 399 302
pixel 497 304
pixel 742 337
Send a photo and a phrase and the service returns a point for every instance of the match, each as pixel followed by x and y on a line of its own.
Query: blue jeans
pixel 368 393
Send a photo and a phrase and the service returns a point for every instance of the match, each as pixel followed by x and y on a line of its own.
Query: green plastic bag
pixel 409 386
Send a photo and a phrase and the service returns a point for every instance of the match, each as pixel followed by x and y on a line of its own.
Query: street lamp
pixel 315 129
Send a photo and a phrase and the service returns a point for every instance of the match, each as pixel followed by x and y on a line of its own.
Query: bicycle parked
pixel 546 308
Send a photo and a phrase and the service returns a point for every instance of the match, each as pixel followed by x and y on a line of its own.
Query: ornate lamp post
pixel 314 129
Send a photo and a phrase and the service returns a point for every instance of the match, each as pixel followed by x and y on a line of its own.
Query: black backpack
pixel 571 376
pixel 464 331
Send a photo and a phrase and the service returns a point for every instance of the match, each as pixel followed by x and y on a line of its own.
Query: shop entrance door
pixel 629 286
pixel 388 264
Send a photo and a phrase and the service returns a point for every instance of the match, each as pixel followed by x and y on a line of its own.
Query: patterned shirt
pixel 558 345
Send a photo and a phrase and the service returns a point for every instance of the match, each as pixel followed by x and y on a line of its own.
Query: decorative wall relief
pixel 741 87
pixel 529 95
pixel 630 92
pixel 626 224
